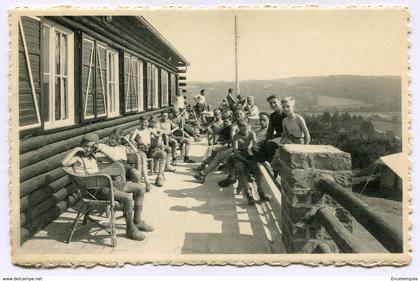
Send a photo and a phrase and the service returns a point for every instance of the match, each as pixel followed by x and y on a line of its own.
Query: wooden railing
pixel 384 231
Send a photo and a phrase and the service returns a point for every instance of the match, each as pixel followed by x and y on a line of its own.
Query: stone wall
pixel 300 167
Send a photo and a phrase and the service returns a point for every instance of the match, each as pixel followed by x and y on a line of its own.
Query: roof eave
pixel 163 39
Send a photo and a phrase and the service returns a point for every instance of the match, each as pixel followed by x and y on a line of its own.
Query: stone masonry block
pixel 308 179
pixel 321 157
pixel 295 213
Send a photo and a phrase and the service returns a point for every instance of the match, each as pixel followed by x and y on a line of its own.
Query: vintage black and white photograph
pixel 224 135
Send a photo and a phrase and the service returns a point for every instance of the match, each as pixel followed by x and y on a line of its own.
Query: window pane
pixel 46 96
pixel 64 53
pixel 111 98
pixel 46 49
pixel 57 53
pixel 57 96
pixel 65 97
pixel 110 67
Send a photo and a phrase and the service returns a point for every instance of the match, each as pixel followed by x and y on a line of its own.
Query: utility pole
pixel 236 56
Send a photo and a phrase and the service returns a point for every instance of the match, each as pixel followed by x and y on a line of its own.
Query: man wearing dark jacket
pixel 268 148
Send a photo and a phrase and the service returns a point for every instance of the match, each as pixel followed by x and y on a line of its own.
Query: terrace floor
pixel 189 218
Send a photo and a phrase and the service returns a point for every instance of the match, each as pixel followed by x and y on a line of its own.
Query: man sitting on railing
pixel 251 165
pixel 266 149
pixel 83 161
pixel 261 133
pixel 242 157
pixel 294 126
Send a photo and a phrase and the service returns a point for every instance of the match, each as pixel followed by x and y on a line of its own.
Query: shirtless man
pixel 143 138
pixel 294 126
pixel 167 127
pixel 261 133
pixel 242 158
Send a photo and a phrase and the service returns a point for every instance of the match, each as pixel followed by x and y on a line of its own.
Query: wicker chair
pixel 88 188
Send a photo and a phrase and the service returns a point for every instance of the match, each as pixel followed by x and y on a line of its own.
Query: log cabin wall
pixel 80 75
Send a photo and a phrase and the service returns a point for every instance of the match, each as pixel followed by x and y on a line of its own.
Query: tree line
pixel 353 134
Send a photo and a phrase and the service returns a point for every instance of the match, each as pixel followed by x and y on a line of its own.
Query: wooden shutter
pixel 140 91
pixel 127 96
pixel 134 85
pixel 173 88
pixel 131 83
pixel 149 85
pixel 87 77
pixel 29 72
pixel 100 79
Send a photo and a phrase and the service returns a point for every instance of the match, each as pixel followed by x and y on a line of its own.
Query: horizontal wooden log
pixel 32 199
pixel 322 248
pixel 52 149
pixel 40 141
pixel 182 84
pixel 41 167
pixel 49 202
pixel 34 183
pixel 341 236
pixel 40 181
pixel 46 218
pixel 388 234
pixel 48 164
pixel 183 78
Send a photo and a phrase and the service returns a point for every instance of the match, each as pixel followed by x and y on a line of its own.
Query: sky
pixel 284 43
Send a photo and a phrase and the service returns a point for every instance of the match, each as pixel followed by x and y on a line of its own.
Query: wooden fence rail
pixel 386 233
pixel 341 236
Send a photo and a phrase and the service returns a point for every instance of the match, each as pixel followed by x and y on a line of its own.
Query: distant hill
pixel 314 94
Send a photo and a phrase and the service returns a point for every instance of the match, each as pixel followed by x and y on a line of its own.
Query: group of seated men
pixel 232 143
pixel 157 139
pixel 236 148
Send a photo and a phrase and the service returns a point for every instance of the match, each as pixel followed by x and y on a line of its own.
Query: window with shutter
pixel 88 74
pixel 58 75
pixel 95 72
pixel 29 67
pixel 113 93
pixel 100 77
pixel 133 84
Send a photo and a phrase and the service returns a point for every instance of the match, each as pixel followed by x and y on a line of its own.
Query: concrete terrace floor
pixel 189 218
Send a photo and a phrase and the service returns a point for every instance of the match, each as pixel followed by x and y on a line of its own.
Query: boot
pixel 141 225
pixel 131 231
pixel 249 197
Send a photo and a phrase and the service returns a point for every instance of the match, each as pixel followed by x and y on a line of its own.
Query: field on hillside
pixel 388 126
pixel 329 101
pixel 314 94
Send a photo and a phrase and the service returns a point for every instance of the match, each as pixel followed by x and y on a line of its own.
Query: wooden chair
pixel 88 188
